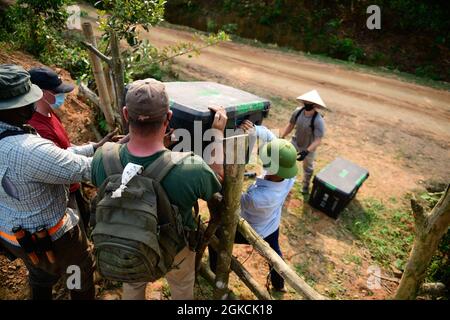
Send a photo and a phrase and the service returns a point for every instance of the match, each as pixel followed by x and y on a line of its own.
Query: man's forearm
pixel 287 130
pixel 314 145
pixel 218 156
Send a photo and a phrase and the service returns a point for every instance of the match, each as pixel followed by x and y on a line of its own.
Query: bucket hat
pixel 16 89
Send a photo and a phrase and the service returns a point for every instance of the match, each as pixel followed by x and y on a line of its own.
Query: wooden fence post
pixel 215 206
pixel 118 77
pixel 234 177
pixel 99 76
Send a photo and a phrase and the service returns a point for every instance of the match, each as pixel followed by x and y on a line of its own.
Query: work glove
pixel 302 155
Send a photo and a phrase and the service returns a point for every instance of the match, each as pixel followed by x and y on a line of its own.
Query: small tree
pixel 430 228
pixel 120 19
pixel 125 15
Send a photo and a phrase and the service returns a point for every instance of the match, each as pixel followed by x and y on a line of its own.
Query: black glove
pixel 302 155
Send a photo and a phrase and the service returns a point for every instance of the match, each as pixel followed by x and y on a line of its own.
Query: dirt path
pixel 399 131
pixel 391 122
pixel 388 100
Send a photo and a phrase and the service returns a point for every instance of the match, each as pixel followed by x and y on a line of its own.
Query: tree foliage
pixel 123 16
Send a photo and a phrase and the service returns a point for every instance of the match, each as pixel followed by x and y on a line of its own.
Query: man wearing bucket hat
pixel 49 126
pixel 309 132
pixel 262 204
pixel 33 175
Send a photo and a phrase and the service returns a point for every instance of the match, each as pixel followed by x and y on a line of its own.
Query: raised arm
pixel 287 130
pixel 219 123
pixel 49 164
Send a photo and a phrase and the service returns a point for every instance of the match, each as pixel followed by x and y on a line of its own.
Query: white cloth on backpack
pixel 131 170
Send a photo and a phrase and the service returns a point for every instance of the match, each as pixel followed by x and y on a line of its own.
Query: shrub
pixel 345 49
pixel 230 28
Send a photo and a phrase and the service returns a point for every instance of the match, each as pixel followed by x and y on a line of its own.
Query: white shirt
pixel 262 204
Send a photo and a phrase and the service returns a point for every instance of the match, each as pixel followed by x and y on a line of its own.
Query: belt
pixel 51 231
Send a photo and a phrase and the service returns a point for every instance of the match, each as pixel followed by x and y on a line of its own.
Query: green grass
pixel 336 290
pixel 386 231
pixel 302 270
pixel 351 258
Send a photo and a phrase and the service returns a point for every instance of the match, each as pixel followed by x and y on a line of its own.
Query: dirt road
pixel 386 100
pixel 400 131
pixel 287 75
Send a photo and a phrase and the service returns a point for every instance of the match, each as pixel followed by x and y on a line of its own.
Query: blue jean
pixel 272 240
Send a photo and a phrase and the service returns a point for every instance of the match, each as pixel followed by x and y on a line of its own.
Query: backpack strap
pixel 161 166
pixel 313 120
pixel 298 114
pixel 111 158
pixel 10 133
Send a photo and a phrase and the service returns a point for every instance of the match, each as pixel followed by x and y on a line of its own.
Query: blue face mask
pixel 59 100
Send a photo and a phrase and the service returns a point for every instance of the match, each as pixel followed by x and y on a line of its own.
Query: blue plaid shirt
pixel 34 179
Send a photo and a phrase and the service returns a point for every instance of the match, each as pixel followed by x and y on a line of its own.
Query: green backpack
pixel 137 236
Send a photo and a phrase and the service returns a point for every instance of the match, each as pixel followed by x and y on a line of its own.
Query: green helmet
pixel 280 158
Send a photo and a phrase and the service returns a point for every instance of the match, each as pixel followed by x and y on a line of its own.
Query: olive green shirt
pixel 184 184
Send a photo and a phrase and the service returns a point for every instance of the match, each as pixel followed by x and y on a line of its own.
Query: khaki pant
pixel 308 166
pixel 181 280
pixel 308 170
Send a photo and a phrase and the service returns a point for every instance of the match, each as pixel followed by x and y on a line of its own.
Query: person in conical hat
pixel 309 132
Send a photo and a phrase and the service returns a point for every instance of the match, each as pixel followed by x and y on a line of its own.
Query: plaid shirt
pixel 34 179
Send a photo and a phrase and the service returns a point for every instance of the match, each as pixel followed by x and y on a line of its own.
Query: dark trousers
pixel 272 240
pixel 70 250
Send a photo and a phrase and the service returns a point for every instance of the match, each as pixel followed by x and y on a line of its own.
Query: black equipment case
pixel 189 102
pixel 336 185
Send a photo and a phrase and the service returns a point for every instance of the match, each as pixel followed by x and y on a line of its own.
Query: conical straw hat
pixel 313 97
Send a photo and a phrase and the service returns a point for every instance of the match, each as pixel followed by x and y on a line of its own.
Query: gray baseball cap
pixel 16 89
pixel 147 100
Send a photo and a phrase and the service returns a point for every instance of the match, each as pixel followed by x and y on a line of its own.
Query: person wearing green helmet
pixel 262 204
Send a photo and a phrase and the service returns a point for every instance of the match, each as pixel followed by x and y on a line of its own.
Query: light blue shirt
pixel 263 202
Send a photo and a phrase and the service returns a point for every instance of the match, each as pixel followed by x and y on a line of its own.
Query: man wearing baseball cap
pixel 33 175
pixel 148 114
pixel 49 126
pixel 309 132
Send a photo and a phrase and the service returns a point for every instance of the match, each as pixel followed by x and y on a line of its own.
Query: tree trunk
pixel 277 262
pixel 99 75
pixel 118 78
pixel 209 276
pixel 234 177
pixel 243 274
pixel 430 228
pixel 216 208
pixel 88 94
